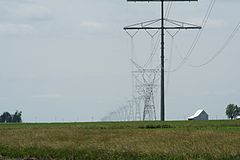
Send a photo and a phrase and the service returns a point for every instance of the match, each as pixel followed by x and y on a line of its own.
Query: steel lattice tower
pixel 146 87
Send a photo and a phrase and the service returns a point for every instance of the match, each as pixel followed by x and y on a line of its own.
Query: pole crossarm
pixel 155 28
pixel 147 71
pixel 159 0
pixel 155 25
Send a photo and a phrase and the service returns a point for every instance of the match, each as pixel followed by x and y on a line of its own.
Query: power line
pixel 169 7
pixel 156 46
pixel 170 58
pixel 195 41
pixel 229 39
pixel 169 64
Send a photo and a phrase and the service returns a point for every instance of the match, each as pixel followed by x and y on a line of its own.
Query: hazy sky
pixel 69 59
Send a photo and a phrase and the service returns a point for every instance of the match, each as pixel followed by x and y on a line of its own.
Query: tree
pixel 17 117
pixel 232 111
pixel 6 117
pixel 1 119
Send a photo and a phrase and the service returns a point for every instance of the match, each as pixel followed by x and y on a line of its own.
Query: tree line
pixel 232 111
pixel 6 117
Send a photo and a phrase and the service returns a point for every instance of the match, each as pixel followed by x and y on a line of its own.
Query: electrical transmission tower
pixel 161 24
pixel 146 87
pixel 137 102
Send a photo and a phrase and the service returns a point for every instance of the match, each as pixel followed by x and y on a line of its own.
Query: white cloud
pixel 216 23
pixel 91 25
pixel 15 29
pixel 211 23
pixel 219 93
pixel 47 96
pixel 18 11
pixel 3 98
pixel 23 17
pixel 32 12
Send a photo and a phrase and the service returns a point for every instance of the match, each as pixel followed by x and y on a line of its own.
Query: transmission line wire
pixel 167 12
pixel 195 41
pixel 156 46
pixel 170 63
pixel 229 39
pixel 132 35
pixel 153 53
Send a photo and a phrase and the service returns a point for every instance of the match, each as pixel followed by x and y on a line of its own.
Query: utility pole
pixel 148 25
pixel 162 65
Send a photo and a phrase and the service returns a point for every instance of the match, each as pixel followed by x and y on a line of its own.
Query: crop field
pixel 176 140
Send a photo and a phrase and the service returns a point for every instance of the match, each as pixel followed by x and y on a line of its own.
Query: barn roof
pixel 196 114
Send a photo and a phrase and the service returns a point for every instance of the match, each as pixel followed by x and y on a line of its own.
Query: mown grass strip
pixel 66 154
pixel 127 125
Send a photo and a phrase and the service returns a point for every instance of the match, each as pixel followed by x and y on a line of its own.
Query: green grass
pixel 176 140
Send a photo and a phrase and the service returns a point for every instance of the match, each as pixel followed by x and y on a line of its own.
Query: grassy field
pixel 178 140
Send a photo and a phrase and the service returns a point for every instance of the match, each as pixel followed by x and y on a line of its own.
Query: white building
pixel 199 115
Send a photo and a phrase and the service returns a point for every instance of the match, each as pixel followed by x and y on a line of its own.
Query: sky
pixel 67 60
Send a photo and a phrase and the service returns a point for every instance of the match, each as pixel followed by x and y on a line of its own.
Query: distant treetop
pixel 6 117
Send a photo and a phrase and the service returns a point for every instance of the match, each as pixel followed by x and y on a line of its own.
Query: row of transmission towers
pixel 148 79
pixel 127 112
pixel 145 86
pixel 130 111
pixel 145 80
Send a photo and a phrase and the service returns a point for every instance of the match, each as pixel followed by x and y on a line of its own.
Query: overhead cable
pixel 226 43
pixel 153 53
pixel 195 41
